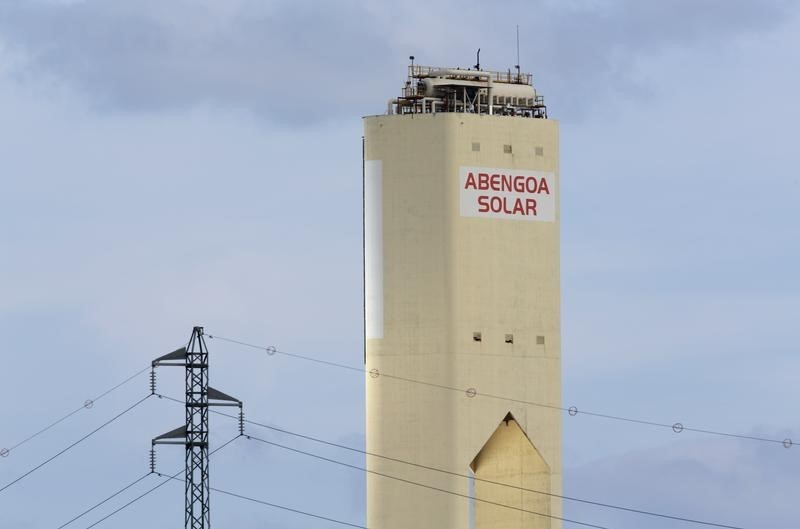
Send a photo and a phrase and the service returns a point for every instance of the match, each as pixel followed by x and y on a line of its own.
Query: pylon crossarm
pixel 177 354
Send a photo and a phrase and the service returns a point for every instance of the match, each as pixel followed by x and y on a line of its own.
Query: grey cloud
pixel 284 62
pixel 313 60
pixel 740 483
pixel 590 54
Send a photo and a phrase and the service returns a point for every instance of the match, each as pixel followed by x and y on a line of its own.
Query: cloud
pixel 105 267
pixel 593 51
pixel 307 61
pixel 287 62
pixel 740 483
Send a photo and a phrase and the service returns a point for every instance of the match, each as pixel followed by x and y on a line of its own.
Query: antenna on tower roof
pixel 519 73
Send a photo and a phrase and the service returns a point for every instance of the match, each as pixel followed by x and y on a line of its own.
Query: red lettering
pixel 470 182
pixel 507 182
pixel 518 204
pixel 543 188
pixel 524 207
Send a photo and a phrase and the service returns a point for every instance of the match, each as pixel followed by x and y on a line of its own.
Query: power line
pixel 384 457
pixel 452 473
pixel 139 497
pixel 322 441
pixel 271 350
pixel 98 504
pixel 456 474
pixel 275 505
pixel 46 461
pixel 86 405
pixel 431 487
pixel 355 467
pixel 296 511
pixel 120 384
pixel 472 392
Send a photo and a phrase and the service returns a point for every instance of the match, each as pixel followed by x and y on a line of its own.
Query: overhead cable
pixel 452 473
pixel 423 485
pixel 51 458
pixel 491 482
pixel 275 505
pixel 290 509
pixel 88 404
pixel 139 497
pixel 98 504
pixel 472 392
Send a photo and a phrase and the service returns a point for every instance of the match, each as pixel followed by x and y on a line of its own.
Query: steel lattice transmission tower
pixel 195 433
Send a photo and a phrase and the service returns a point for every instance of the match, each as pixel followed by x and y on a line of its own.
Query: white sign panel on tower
pixel 507 194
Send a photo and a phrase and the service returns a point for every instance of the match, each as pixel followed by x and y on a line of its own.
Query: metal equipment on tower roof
pixel 430 89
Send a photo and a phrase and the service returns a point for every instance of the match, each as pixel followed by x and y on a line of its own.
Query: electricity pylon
pixel 194 434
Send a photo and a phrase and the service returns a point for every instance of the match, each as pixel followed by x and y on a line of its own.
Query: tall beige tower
pixel 461 232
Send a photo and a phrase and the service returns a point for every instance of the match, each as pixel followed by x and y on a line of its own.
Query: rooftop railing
pixel 417 71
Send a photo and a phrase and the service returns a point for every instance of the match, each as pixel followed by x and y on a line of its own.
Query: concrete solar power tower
pixel 461 234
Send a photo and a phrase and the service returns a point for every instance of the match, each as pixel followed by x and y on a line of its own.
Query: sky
pixel 171 164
